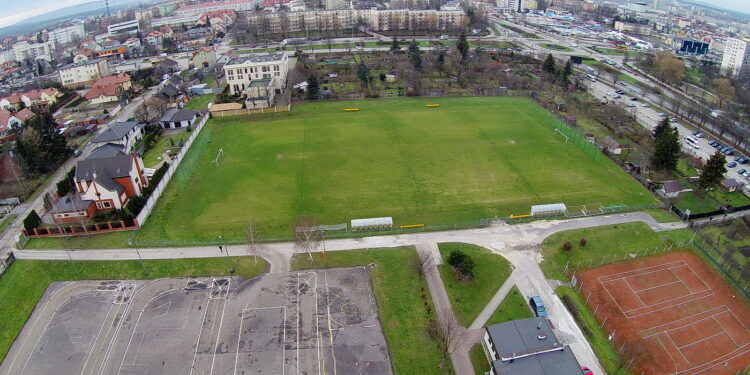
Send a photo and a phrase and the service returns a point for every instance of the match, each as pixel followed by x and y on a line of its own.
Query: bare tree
pixel 254 247
pixel 307 236
pixel 447 335
pixel 422 263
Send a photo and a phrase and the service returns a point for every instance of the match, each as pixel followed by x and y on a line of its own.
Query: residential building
pixel 375 19
pixel 528 347
pixel 155 38
pixel 8 122
pixel 125 134
pixel 235 5
pixel 130 27
pixel 111 49
pixel 242 70
pixel 736 58
pixel 260 93
pixel 633 28
pixel 178 118
pixel 67 34
pixel 40 97
pixel 25 50
pixel 25 115
pixel 104 181
pixel 109 89
pixel 83 73
pixel 188 20
pixel 205 57
pixel 12 101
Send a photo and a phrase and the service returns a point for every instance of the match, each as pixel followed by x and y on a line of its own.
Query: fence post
pixel 587 299
pixel 596 309
pixel 604 322
pixel 566 267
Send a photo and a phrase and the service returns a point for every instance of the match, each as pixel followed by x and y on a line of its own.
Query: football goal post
pixel 216 160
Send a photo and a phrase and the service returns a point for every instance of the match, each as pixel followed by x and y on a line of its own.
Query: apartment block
pixel 83 73
pixel 65 35
pixel 736 60
pixel 241 71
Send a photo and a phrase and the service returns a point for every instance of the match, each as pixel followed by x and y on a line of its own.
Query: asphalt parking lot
pixel 320 321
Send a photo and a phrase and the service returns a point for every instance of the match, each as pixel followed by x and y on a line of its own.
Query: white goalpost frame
pixel 216 160
pixel 563 134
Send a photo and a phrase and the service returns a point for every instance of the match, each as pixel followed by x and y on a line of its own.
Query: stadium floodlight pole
pixel 132 244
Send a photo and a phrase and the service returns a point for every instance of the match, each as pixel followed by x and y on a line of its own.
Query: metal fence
pixel 730 269
pixel 574 135
pixel 159 189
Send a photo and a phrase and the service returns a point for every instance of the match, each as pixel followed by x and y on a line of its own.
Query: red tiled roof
pixel 204 49
pixel 24 114
pixel 33 94
pixel 116 79
pixel 13 98
pixel 103 90
pixel 4 117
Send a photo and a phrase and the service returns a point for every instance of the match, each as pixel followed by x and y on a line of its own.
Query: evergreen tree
pixel 313 88
pixel 440 62
pixel 363 73
pixel 395 46
pixel 463 46
pixel 415 55
pixel 32 221
pixel 549 64
pixel 661 127
pixel 568 70
pixel 713 172
pixel 667 151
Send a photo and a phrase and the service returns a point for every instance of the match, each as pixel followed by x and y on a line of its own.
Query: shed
pixel 670 189
pixel 549 209
pixel 729 185
pixel 225 107
pixel 612 146
pixel 375 223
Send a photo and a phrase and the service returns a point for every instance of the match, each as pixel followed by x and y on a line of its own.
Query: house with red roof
pixel 155 38
pixel 40 97
pixel 24 115
pixel 109 89
pixel 8 122
pixel 204 57
pixel 12 101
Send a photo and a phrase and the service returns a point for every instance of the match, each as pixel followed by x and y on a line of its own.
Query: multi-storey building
pixel 25 50
pixel 65 35
pixel 241 71
pixel 375 19
pixel 736 60
pixel 124 27
pixel 236 5
pixel 83 73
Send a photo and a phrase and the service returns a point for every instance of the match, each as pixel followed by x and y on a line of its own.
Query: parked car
pixel 586 370
pixel 634 99
pixel 698 134
pixel 729 152
pixel 672 118
pixel 631 105
pixel 620 92
pixel 732 164
pixel 741 159
pixel 645 105
pixel 662 114
pixel 742 171
pixel 538 306
pixel 77 153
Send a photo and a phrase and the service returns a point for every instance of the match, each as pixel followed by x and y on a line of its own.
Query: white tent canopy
pixel 548 209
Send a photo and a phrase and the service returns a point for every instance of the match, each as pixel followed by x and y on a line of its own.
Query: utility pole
pixel 132 244
pixel 226 250
pixel 106 2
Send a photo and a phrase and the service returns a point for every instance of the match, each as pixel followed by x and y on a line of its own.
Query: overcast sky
pixel 18 10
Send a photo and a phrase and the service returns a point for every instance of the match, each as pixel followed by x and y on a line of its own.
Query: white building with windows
pixel 25 50
pixel 235 5
pixel 65 35
pixel 240 71
pixel 83 73
pixel 736 58
pixel 124 27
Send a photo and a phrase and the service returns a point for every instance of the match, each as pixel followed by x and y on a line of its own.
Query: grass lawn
pixel 469 159
pixel 685 168
pixel 735 199
pixel 468 298
pixel 151 157
pixel 619 241
pixel 556 47
pixel 199 102
pixel 691 201
pixel 662 216
pixel 603 349
pixel 479 360
pixel 25 281
pixel 513 307
pixel 6 222
pixel 398 291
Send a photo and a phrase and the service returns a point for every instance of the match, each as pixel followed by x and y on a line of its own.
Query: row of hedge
pixel 136 203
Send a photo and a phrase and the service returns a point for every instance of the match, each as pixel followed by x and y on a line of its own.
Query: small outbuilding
pixel 729 185
pixel 670 189
pixel 553 209
pixel 375 223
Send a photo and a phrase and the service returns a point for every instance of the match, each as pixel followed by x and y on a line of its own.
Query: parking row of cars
pixel 728 151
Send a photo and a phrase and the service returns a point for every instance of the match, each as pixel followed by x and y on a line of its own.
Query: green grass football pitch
pixel 468 159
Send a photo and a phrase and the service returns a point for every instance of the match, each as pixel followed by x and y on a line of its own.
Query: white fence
pixel 159 189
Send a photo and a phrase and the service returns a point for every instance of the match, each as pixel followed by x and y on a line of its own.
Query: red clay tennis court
pixel 670 314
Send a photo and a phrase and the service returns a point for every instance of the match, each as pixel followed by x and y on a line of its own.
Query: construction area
pixel 320 321
pixel 670 314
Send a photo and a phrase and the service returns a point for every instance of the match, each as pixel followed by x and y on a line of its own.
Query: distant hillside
pixel 716 7
pixel 77 11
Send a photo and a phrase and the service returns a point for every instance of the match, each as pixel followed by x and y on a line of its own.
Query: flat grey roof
pixel 256 58
pixel 70 203
pixel 530 347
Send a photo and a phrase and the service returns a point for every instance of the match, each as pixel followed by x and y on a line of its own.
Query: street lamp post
pixel 226 250
pixel 139 256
